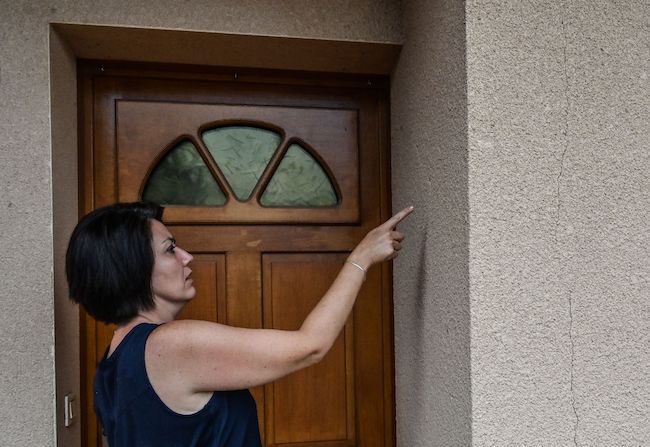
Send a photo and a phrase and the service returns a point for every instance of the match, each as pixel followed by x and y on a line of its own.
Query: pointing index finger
pixel 397 218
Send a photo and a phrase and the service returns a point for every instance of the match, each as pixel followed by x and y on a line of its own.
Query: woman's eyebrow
pixel 170 238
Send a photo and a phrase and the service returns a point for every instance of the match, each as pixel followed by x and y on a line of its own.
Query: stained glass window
pixel 299 181
pixel 182 178
pixel 242 153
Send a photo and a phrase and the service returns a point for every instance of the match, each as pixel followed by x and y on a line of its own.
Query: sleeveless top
pixel 132 414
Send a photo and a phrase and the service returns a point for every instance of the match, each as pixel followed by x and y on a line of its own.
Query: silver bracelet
pixel 359 267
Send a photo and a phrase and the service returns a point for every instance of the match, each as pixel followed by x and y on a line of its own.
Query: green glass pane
pixel 241 153
pixel 299 182
pixel 182 178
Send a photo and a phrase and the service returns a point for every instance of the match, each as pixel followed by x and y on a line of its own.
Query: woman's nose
pixel 187 258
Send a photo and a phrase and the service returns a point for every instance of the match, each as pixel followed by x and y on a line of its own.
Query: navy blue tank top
pixel 132 414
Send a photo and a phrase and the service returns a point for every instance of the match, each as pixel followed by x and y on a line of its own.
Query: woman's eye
pixel 172 248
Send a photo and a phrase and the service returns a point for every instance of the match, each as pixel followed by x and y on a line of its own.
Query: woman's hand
pixel 382 243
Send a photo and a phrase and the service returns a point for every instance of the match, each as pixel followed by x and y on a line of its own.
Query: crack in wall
pixel 565 132
pixel 573 396
pixel 558 218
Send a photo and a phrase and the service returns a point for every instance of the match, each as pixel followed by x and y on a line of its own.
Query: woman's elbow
pixel 315 356
pixel 313 353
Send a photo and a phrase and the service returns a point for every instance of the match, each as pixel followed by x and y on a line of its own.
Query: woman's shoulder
pixel 181 328
pixel 182 335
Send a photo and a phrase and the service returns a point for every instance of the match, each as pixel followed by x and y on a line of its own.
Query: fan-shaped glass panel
pixel 242 153
pixel 299 182
pixel 182 178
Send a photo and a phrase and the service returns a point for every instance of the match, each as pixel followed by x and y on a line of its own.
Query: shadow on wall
pixel 416 372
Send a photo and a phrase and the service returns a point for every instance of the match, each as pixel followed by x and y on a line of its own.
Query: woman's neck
pixel 122 330
pixel 162 312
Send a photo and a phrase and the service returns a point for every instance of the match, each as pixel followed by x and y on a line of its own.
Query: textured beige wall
pixel 27 320
pixel 520 136
pixel 30 190
pixel 559 197
pixel 429 169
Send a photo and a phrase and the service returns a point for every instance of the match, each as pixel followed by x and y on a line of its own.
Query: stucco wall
pixel 520 133
pixel 431 287
pixel 559 243
pixel 26 212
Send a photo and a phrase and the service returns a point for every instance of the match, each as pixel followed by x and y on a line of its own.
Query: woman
pixel 184 383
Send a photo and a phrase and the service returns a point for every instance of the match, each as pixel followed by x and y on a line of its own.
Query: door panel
pixel 257 266
pixel 209 275
pixel 317 403
pixel 244 304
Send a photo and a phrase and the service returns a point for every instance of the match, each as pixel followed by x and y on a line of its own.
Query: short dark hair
pixel 110 260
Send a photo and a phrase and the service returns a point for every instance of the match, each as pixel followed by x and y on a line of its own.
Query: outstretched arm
pixel 201 356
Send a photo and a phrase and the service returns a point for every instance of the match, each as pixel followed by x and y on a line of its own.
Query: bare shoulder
pixel 170 355
pixel 183 335
pixel 178 350
pixel 197 341
pixel 178 328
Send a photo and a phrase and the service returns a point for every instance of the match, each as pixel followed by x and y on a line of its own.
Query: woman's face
pixel 171 279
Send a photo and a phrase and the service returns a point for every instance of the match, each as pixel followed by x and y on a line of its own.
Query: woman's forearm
pixel 326 320
pixel 324 323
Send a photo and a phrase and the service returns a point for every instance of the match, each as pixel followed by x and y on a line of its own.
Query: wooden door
pixel 262 258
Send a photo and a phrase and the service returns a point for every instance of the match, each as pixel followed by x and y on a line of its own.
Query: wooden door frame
pixel 70 42
pixel 88 69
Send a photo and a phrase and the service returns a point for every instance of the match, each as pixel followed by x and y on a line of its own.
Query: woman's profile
pixel 166 382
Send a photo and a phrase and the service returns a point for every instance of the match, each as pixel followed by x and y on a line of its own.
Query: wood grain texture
pixel 257 267
pixel 318 403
